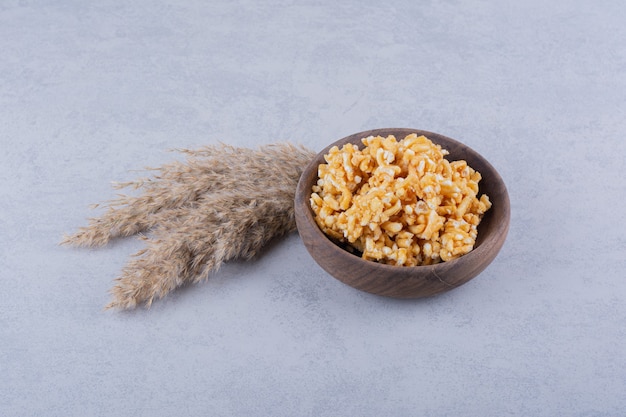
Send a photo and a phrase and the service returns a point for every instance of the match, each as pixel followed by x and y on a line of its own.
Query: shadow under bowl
pixel 405 281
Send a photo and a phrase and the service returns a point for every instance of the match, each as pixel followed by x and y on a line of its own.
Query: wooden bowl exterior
pixel 400 281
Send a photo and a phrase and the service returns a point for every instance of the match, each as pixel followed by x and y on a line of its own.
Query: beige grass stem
pixel 222 203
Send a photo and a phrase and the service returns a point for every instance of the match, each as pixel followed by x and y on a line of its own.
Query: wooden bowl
pixel 404 281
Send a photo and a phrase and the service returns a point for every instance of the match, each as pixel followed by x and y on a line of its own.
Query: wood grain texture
pixel 400 281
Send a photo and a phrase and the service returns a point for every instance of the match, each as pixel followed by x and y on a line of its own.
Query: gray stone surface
pixel 90 91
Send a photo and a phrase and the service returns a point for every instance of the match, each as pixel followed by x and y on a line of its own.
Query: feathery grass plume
pixel 222 203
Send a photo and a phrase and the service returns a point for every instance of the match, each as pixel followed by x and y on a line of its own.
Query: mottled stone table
pixel 90 91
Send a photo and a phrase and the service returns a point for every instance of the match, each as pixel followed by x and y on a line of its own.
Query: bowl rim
pixel 481 249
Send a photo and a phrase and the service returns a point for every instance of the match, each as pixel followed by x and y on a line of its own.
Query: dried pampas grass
pixel 222 203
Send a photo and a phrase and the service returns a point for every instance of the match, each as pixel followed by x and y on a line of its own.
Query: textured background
pixel 90 91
